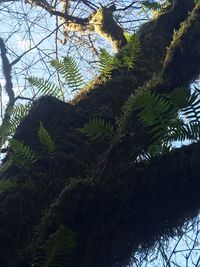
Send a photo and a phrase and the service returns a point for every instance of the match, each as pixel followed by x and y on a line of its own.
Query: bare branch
pixel 51 10
pixel 90 5
pixel 7 72
pixel 126 7
pixel 8 86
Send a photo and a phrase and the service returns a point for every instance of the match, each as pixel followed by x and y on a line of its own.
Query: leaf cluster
pixel 24 157
pixel 69 70
pixel 45 87
pixel 97 129
pixel 126 58
pixel 7 184
pixel 17 113
pixel 47 143
pixel 166 118
pixel 57 250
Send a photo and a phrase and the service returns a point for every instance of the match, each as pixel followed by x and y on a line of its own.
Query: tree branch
pixel 112 215
pixel 137 206
pixel 51 10
pixel 126 7
pixel 90 5
pixel 7 72
pixel 6 66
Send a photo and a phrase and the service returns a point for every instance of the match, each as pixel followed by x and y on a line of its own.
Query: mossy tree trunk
pixel 112 205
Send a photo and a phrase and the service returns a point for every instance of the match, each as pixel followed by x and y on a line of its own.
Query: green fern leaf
pixel 192 111
pixel 45 87
pixel 17 113
pixel 48 145
pixel 107 63
pixel 154 111
pixel 180 97
pixel 69 71
pixel 160 115
pixel 185 132
pixel 7 184
pixel 57 250
pixel 152 108
pixel 131 51
pixel 97 129
pixel 23 157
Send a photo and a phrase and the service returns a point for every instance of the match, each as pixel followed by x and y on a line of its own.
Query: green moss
pixel 87 88
pixel 185 29
pixel 105 25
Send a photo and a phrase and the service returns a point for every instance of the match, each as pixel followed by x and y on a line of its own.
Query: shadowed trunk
pixel 112 205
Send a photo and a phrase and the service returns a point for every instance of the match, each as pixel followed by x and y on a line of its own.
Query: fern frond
pixel 97 129
pixel 107 63
pixel 131 51
pixel 180 97
pixel 192 111
pixel 126 59
pixel 152 108
pixel 17 113
pixel 185 132
pixel 45 87
pixel 20 111
pixel 23 157
pixel 7 184
pixel 56 251
pixel 69 71
pixel 160 115
pixel 48 145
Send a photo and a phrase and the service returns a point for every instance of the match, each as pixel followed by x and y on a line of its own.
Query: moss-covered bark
pixel 106 201
pixel 133 207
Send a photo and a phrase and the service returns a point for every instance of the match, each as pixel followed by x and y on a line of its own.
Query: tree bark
pixel 116 209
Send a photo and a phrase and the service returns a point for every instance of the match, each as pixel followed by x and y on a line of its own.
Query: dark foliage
pixel 112 204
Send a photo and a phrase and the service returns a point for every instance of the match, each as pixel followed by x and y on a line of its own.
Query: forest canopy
pixel 94 98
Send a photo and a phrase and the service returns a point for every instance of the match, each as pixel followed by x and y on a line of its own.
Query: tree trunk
pixel 112 205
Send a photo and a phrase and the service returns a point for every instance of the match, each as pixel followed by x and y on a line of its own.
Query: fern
pixel 192 111
pixel 7 184
pixel 48 145
pixel 69 71
pixel 126 58
pixel 56 251
pixel 23 157
pixel 131 51
pixel 45 87
pixel 180 97
pixel 184 132
pixel 160 115
pixel 152 110
pixel 17 113
pixel 97 129
pixel 107 63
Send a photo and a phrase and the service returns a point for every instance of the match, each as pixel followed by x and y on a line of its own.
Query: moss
pixel 180 34
pixel 181 64
pixel 106 26
pixel 84 91
pixel 115 215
